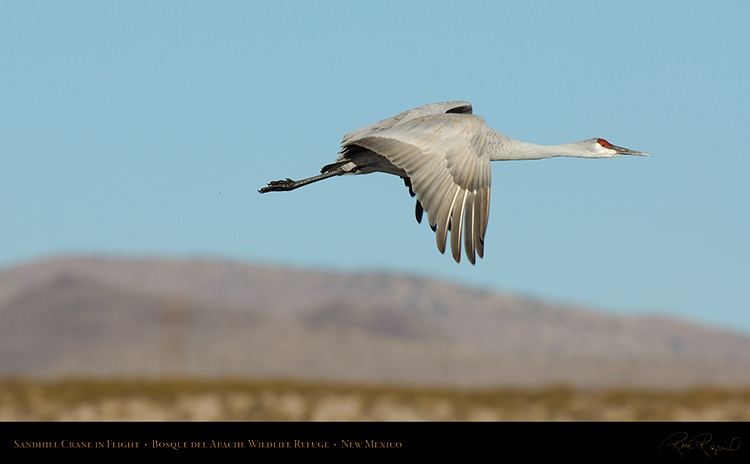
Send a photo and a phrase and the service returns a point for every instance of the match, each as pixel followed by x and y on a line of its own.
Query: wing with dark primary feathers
pixel 438 149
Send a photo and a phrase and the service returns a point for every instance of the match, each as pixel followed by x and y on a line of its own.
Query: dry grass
pixel 207 400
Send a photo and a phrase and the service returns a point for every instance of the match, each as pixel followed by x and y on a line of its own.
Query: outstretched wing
pixel 460 107
pixel 442 154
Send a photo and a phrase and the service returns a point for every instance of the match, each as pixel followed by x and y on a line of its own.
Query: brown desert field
pixel 284 400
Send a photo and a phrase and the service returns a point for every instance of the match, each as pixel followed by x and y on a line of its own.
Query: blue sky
pixel 145 128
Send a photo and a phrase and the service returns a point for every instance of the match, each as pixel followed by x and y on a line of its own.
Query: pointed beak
pixel 628 151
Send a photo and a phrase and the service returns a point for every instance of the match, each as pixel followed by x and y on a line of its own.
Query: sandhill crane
pixel 443 152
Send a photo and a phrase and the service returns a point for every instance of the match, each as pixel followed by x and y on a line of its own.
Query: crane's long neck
pixel 502 147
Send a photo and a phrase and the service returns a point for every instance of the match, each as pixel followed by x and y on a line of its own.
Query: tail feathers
pixel 335 166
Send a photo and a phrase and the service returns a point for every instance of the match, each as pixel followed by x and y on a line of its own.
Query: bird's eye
pixel 604 143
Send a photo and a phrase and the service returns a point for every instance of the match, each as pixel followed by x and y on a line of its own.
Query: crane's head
pixel 603 149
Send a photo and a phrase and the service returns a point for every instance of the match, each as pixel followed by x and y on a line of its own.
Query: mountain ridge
pixel 83 315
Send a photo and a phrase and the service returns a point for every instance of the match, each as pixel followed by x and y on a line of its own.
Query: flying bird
pixel 442 151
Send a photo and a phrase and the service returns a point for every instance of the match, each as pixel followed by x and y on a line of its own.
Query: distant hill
pixel 74 316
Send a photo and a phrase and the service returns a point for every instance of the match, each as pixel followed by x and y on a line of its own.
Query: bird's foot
pixel 279 186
